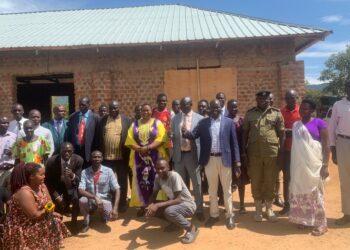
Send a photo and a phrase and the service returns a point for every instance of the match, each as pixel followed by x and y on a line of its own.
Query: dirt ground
pixel 129 232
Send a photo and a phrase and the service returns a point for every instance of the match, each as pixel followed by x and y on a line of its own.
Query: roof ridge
pixel 254 18
pixel 177 4
pixel 83 9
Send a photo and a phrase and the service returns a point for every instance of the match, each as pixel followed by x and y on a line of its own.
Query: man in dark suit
pixel 82 130
pixel 219 151
pixel 63 173
pixel 58 127
pixel 185 152
pixel 112 133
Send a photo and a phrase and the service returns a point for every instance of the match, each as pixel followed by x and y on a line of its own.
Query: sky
pixel 327 14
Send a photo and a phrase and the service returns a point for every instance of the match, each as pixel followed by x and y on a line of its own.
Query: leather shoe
pixel 211 221
pixel 200 216
pixel 85 229
pixel 230 223
pixel 278 202
pixel 285 209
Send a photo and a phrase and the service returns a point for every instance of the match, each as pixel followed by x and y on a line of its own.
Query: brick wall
pixel 136 75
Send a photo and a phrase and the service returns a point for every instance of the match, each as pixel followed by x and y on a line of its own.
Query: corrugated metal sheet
pixel 135 25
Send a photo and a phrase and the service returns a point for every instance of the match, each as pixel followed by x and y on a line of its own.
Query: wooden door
pixel 205 85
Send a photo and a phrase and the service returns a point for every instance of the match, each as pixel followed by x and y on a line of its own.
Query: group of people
pixel 85 164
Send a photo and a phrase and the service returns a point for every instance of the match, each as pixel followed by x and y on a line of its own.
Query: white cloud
pixel 336 19
pixel 315 54
pixel 16 6
pixel 312 80
pixel 332 18
pixel 324 49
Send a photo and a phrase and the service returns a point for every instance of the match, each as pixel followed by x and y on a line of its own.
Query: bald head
pixel 114 109
pixel 84 104
pixel 186 104
pixel 291 99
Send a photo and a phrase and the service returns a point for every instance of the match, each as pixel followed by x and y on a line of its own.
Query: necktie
pixel 19 126
pixel 81 131
pixel 65 179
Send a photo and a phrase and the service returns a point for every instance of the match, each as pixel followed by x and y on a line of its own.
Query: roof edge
pixel 315 37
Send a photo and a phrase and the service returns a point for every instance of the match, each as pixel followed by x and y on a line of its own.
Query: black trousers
pixel 71 197
pixel 286 176
pixel 4 197
pixel 121 168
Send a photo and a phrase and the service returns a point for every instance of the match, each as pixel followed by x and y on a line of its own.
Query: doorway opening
pixel 43 92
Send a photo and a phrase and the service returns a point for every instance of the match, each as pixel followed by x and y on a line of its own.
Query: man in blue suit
pixel 82 130
pixel 219 151
pixel 57 127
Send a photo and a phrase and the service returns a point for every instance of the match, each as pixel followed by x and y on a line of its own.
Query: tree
pixel 337 71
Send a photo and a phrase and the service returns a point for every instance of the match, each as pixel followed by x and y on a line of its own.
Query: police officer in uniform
pixel 263 136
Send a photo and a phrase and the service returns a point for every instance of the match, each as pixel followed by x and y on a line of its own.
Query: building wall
pixel 136 75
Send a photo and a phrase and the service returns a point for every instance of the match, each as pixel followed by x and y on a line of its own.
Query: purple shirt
pixel 314 127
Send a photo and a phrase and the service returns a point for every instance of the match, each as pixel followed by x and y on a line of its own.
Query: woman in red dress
pixel 30 224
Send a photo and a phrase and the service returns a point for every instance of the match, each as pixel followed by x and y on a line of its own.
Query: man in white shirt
pixel 339 133
pixel 16 125
pixel 7 139
pixel 35 117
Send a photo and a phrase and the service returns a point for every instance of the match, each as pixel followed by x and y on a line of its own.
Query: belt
pixel 344 136
pixel 215 154
pixel 183 152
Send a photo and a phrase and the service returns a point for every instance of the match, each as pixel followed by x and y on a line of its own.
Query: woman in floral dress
pixel 31 148
pixel 29 224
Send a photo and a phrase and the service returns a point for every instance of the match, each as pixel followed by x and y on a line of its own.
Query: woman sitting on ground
pixel 309 169
pixel 30 223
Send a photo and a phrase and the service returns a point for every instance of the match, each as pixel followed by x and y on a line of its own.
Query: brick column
pixel 101 89
pixel 8 94
pixel 82 86
pixel 291 76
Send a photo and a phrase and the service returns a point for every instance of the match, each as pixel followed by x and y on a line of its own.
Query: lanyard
pixel 96 179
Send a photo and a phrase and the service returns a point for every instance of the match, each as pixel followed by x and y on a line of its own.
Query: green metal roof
pixel 136 25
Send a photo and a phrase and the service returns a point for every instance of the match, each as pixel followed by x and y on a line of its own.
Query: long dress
pixel 33 151
pixel 243 179
pixel 306 185
pixel 23 232
pixel 144 167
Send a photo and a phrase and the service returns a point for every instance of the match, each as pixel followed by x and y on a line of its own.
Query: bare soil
pixel 130 232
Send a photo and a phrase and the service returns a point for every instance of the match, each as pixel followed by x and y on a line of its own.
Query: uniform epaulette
pixel 252 109
pixel 276 109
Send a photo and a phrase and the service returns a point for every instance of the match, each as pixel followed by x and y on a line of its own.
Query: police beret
pixel 263 93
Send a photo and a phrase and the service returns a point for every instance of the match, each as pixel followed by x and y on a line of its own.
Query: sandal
pixel 318 231
pixel 190 236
